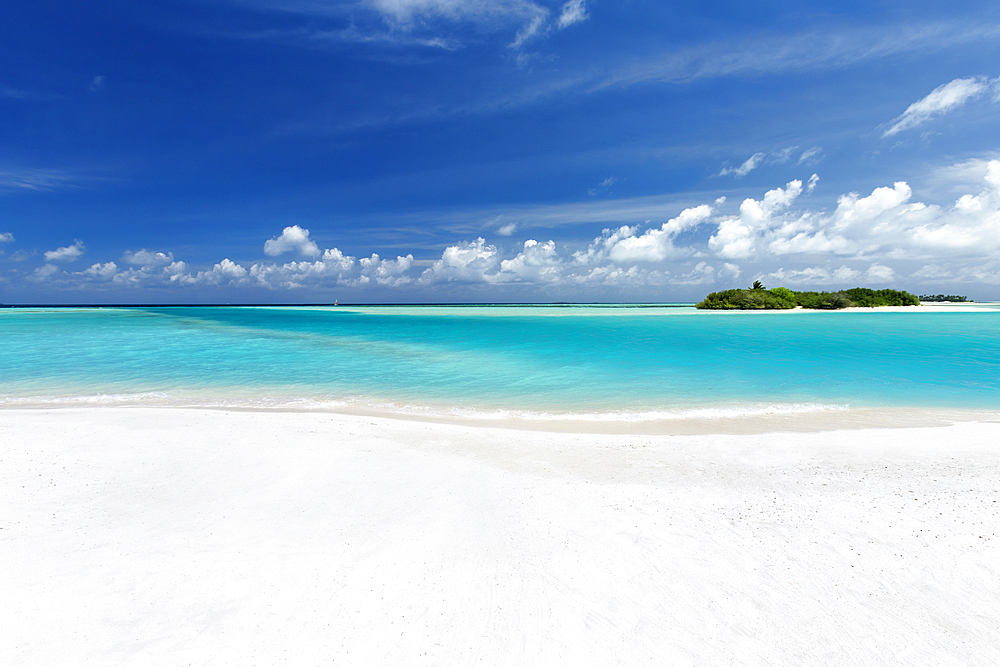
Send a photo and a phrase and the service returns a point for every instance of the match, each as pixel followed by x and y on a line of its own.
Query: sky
pixel 399 151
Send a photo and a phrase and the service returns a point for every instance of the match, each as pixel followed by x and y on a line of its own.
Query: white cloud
pixel 572 12
pixel 96 84
pixel 532 28
pixel 66 253
pixel 174 273
pixel 886 225
pixel 333 268
pixel 933 272
pixel 292 238
pixel 701 274
pixel 941 100
pixel 803 52
pixel 35 179
pixel 430 18
pixel 780 156
pixel 508 229
pixel 875 275
pixel 738 236
pixel 105 271
pixel 749 165
pixel 45 271
pixel 879 275
pixel 224 273
pixel 147 258
pixel 602 245
pixel 865 239
pixel 406 12
pixel 229 269
pixel 656 245
pixel 6 237
pixel 809 154
pixel 337 260
pixel 22 255
pixel 604 185
pixel 473 261
pixel 385 271
pixel 536 263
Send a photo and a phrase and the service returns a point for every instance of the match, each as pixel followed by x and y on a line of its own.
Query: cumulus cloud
pixel 941 100
pixel 148 275
pixel 224 273
pixel 875 275
pixel 66 253
pixel 886 224
pixel 536 263
pixel 106 271
pixel 385 271
pixel 472 261
pixel 871 238
pixel 738 236
pixel 333 268
pixel 572 12
pixel 292 239
pixel 656 245
pixel 507 229
pixel 147 258
pixel 6 237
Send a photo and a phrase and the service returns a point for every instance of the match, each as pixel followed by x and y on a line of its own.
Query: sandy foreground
pixel 145 536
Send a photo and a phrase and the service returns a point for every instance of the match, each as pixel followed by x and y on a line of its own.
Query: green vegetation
pixel 745 299
pixel 870 298
pixel 823 300
pixel 758 297
pixel 942 297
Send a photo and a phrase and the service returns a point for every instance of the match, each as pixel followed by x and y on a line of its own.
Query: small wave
pixel 462 413
pixel 146 398
pixel 705 412
pixel 160 399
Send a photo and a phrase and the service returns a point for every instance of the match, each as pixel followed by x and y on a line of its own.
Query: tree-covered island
pixel 758 297
pixel 945 298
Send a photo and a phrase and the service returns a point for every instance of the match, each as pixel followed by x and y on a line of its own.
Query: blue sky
pixel 466 150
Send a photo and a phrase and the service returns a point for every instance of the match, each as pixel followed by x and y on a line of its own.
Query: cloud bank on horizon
pixel 420 150
pixel 878 238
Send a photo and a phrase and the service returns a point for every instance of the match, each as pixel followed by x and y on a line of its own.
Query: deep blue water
pixel 541 359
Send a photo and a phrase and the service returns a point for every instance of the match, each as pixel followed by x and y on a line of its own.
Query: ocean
pixel 535 362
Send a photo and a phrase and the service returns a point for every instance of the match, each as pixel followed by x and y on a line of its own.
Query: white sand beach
pixel 145 536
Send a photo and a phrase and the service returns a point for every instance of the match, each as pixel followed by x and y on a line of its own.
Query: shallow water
pixel 547 362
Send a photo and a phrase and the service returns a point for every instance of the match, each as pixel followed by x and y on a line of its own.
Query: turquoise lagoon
pixel 615 362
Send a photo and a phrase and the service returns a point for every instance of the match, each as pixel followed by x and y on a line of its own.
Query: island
pixel 943 298
pixel 758 297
